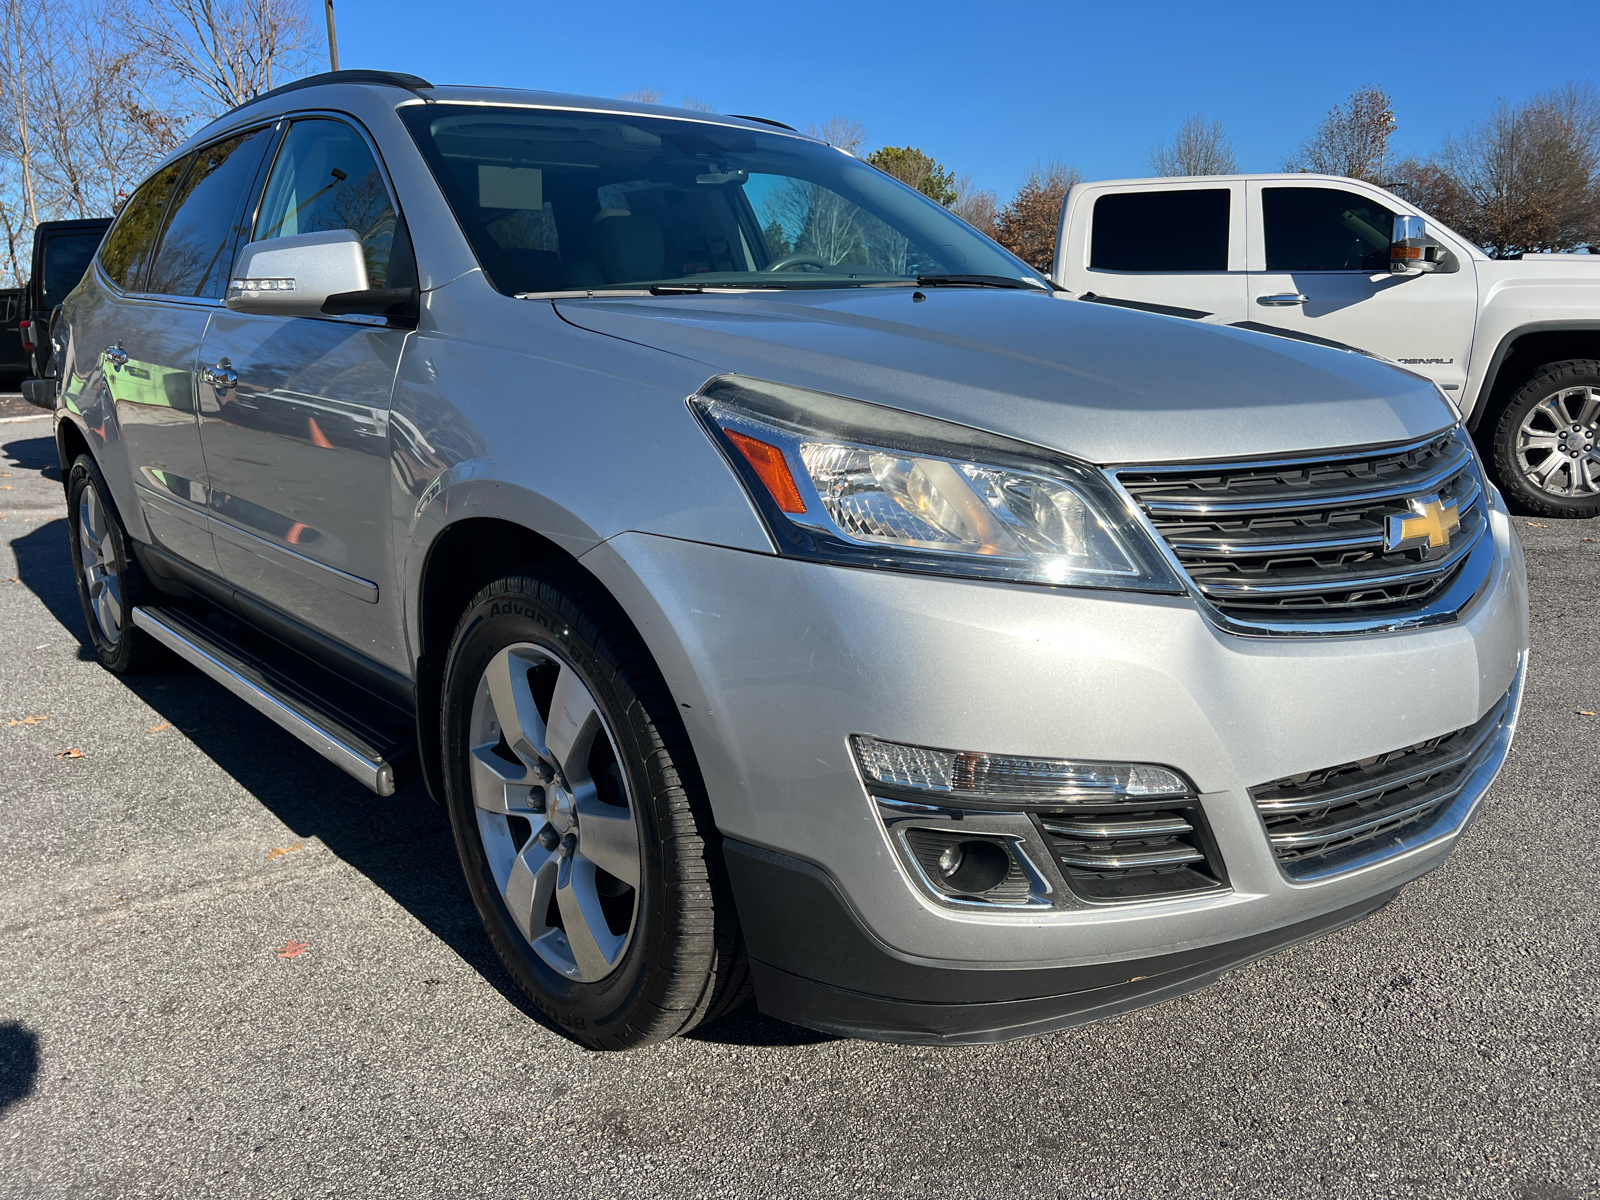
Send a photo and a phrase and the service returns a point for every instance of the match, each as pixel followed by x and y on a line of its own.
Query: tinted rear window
pixel 127 247
pixel 1168 230
pixel 66 258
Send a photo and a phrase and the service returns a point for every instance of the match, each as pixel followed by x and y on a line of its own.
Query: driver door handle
pixel 222 376
pixel 1282 299
pixel 117 356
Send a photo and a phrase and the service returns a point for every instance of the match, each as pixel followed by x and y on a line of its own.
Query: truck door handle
pixel 222 376
pixel 1282 299
pixel 117 356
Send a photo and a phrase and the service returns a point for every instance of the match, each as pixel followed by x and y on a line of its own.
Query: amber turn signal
pixel 771 468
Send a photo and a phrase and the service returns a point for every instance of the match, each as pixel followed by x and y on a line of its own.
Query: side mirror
pixel 295 276
pixel 1413 252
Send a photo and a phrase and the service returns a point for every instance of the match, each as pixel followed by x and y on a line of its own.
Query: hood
pixel 1103 384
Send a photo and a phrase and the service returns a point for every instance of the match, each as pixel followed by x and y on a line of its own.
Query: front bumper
pixel 776 662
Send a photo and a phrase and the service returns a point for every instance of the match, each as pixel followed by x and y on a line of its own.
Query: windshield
pixel 562 201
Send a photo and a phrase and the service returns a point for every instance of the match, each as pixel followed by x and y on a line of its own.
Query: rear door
pixel 297 444
pixel 1177 248
pixel 1319 268
pixel 151 377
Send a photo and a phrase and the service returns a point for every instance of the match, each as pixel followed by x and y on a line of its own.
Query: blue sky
pixel 992 88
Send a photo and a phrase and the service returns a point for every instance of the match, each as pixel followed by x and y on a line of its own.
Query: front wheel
pixel 1546 448
pixel 580 819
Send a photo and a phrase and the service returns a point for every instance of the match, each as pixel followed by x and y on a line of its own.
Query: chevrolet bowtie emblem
pixel 1430 527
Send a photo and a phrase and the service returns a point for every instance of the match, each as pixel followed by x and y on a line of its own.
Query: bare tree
pixel 1352 140
pixel 975 206
pixel 1028 225
pixel 22 46
pixel 1525 179
pixel 644 95
pixel 1200 147
pixel 843 133
pixel 695 104
pixel 228 51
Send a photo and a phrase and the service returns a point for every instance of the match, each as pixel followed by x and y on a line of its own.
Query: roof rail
pixel 393 78
pixel 764 121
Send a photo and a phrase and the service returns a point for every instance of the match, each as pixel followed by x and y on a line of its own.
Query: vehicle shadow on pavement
pixel 402 843
pixel 36 454
pixel 19 1062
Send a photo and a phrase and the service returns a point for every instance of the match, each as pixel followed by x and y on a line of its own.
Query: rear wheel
pixel 110 581
pixel 1547 441
pixel 582 826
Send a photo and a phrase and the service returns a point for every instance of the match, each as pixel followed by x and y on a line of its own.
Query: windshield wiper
pixel 995 281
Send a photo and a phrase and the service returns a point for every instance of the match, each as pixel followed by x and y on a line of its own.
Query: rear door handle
pixel 117 356
pixel 1282 299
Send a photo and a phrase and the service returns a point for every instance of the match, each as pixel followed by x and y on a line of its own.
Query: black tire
pixel 120 645
pixel 1565 496
pixel 685 963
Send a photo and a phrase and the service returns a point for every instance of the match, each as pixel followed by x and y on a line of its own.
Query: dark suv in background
pixel 62 251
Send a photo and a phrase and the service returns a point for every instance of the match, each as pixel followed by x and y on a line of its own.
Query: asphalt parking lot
pixel 166 852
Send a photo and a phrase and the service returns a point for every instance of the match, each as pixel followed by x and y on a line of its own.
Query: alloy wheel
pixel 554 812
pixel 1556 443
pixel 98 558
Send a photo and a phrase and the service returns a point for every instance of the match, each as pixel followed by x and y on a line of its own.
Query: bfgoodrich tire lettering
pixel 665 954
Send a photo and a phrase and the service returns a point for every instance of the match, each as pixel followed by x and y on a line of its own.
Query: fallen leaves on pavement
pixel 29 720
pixel 280 851
pixel 160 727
pixel 293 949
pixel 69 752
pixel 1584 712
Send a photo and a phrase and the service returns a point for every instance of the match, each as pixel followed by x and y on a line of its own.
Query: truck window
pixel 67 257
pixel 1324 229
pixel 127 247
pixel 1162 231
pixel 196 251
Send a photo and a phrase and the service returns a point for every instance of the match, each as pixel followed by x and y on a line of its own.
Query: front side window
pixel 126 250
pixel 1161 231
pixel 325 178
pixel 196 251
pixel 1324 229
pixel 554 201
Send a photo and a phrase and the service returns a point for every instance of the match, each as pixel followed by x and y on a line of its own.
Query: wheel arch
pixel 1522 351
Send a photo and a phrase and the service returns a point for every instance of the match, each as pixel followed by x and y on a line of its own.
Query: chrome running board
pixel 361 751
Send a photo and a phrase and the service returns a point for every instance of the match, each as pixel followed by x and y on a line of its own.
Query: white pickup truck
pixel 1514 343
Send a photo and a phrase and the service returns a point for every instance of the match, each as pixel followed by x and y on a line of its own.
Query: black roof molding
pixel 765 121
pixel 392 78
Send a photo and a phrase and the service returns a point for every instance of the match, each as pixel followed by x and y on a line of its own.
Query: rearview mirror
pixel 294 276
pixel 1413 252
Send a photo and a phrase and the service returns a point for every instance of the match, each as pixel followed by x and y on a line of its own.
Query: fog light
pixel 960 865
pixel 950 860
pixel 897 767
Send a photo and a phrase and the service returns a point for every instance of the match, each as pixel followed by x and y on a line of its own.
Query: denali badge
pixel 1430 528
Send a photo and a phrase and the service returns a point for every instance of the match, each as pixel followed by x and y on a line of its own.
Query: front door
pixel 1320 268
pixel 295 419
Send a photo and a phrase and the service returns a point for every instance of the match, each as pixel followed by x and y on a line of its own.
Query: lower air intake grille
pixel 1119 854
pixel 1316 819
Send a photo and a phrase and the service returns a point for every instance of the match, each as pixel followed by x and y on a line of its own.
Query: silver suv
pixel 782 586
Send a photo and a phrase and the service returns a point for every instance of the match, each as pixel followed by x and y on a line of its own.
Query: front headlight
pixel 854 483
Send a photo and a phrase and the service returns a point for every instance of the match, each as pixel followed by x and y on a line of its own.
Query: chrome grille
pixel 1303 538
pixel 1110 854
pixel 1315 819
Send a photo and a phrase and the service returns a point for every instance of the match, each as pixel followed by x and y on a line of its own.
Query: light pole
pixel 333 39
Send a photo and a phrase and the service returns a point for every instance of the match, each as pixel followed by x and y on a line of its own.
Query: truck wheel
pixel 1546 443
pixel 580 818
pixel 110 581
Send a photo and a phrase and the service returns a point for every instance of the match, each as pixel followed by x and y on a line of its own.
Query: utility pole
pixel 333 39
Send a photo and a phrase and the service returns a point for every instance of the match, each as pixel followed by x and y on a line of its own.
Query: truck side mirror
pixel 1413 252
pixel 294 276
